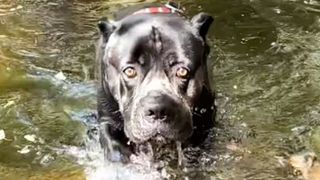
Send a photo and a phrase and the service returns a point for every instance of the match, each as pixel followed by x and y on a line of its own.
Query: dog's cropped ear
pixel 201 22
pixel 106 28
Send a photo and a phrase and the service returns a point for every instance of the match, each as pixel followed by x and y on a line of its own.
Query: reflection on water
pixel 265 68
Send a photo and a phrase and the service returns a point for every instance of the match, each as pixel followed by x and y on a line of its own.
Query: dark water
pixel 265 68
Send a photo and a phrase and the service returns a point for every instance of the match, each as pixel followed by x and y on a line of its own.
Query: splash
pixel 91 157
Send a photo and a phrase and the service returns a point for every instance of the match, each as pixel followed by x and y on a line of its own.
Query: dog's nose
pixel 157 112
pixel 158 106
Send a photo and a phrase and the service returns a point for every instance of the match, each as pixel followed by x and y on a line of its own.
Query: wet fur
pixel 111 120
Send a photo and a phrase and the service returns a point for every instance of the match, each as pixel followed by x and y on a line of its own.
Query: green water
pixel 265 65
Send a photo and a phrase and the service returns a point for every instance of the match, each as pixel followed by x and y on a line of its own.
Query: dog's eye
pixel 130 72
pixel 182 72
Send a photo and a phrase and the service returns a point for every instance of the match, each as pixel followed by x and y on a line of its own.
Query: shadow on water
pixel 265 70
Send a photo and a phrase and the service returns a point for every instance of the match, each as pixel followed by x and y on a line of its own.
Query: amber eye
pixel 182 73
pixel 130 72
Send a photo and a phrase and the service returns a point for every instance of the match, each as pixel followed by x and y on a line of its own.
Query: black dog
pixel 153 78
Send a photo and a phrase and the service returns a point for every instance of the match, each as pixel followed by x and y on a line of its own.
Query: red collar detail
pixel 155 10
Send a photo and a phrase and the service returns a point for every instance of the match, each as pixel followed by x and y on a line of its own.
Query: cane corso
pixel 153 81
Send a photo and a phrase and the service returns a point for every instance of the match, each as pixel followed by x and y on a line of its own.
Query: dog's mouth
pixel 159 149
pixel 159 139
pixel 162 133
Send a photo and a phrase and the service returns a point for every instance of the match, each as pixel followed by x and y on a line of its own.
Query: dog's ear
pixel 201 22
pixel 106 28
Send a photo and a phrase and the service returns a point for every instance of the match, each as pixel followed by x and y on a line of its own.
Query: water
pixel 265 65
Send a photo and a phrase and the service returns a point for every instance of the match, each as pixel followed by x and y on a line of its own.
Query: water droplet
pixel 30 137
pixel 9 103
pixel 24 150
pixel 203 110
pixel 2 134
pixel 277 10
pixel 60 76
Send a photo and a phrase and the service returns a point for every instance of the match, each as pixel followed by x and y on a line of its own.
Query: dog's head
pixel 154 67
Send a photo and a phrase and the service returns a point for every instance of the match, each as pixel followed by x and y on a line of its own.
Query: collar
pixel 154 10
pixel 168 8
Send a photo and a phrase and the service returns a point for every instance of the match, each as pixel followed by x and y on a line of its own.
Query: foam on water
pixel 97 168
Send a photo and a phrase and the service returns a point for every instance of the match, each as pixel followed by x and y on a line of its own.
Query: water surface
pixel 265 65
